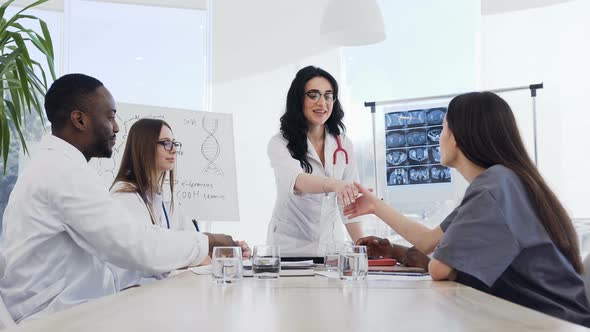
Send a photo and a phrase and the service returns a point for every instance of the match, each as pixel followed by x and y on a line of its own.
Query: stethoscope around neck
pixel 339 149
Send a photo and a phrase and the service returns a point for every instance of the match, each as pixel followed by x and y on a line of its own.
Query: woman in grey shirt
pixel 510 236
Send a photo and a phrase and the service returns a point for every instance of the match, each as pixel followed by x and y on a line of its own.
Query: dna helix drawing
pixel 210 147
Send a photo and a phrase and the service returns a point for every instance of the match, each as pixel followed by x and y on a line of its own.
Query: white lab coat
pixel 61 226
pixel 138 210
pixel 304 223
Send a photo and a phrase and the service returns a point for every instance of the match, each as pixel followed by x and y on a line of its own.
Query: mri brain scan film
pixel 412 146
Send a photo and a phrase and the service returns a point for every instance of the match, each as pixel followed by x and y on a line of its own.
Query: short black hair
pixel 66 94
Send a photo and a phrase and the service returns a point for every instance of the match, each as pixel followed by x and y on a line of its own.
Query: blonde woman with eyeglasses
pixel 149 159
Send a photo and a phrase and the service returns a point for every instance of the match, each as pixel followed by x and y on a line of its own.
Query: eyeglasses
pixel 168 145
pixel 315 96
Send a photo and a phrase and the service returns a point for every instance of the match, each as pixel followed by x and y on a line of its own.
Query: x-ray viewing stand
pixel 373 107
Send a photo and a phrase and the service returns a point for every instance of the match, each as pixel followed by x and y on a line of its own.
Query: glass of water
pixel 333 252
pixel 353 263
pixel 227 264
pixel 266 262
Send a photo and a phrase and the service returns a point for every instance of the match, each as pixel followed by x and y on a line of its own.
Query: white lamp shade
pixel 352 23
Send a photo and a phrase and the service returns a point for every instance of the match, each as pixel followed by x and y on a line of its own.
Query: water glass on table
pixel 227 264
pixel 353 263
pixel 266 262
pixel 332 254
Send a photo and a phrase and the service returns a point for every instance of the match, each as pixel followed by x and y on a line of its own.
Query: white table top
pixel 189 302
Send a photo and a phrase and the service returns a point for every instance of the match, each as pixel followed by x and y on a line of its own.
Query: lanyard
pixel 166 215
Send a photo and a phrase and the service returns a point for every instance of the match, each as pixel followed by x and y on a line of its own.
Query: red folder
pixel 382 262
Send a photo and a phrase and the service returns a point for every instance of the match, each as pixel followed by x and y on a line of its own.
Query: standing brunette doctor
pixel 314 168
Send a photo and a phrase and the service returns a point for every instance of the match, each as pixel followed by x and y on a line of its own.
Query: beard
pixel 103 146
pixel 103 149
pixel 103 136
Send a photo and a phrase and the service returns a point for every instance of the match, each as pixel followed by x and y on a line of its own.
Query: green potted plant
pixel 23 81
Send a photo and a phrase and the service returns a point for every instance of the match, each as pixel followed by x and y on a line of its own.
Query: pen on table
pixel 196 224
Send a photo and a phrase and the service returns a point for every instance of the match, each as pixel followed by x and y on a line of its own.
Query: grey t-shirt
pixel 498 245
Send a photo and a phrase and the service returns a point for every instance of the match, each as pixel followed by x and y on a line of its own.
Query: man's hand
pixel 223 240
pixel 382 248
pixel 219 240
pixel 377 247
pixel 246 251
pixel 415 258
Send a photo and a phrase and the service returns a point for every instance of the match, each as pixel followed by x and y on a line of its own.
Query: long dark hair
pixel 486 132
pixel 293 123
pixel 138 165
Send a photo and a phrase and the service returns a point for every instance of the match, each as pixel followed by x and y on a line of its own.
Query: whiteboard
pixel 205 174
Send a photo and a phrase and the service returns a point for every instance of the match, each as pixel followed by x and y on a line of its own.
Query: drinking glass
pixel 266 262
pixel 333 252
pixel 353 263
pixel 227 264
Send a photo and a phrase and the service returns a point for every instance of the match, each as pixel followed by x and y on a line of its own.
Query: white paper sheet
pixel 388 277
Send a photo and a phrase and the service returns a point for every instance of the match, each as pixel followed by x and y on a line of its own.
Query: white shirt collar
pixel 52 142
pixel 330 146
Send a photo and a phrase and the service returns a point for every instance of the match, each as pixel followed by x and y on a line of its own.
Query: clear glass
pixel 333 253
pixel 266 262
pixel 227 264
pixel 353 263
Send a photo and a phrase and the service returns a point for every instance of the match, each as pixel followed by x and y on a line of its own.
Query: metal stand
pixel 534 88
pixel 373 108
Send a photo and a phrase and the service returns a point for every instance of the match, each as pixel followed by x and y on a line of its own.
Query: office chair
pixel 5 318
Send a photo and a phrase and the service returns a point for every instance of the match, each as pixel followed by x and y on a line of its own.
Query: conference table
pixel 190 302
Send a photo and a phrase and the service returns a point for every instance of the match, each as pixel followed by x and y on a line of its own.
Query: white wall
pixel 549 44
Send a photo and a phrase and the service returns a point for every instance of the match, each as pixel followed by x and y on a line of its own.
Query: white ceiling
pixel 490 7
pixel 57 5
pixel 188 4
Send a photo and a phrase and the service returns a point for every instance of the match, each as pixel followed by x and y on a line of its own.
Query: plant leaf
pixel 14 113
pixel 3 8
pixel 5 132
pixel 23 81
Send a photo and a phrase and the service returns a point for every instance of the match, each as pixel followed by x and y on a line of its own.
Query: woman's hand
pixel 345 191
pixel 364 204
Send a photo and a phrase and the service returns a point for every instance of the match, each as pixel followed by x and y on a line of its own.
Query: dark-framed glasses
pixel 315 95
pixel 168 145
